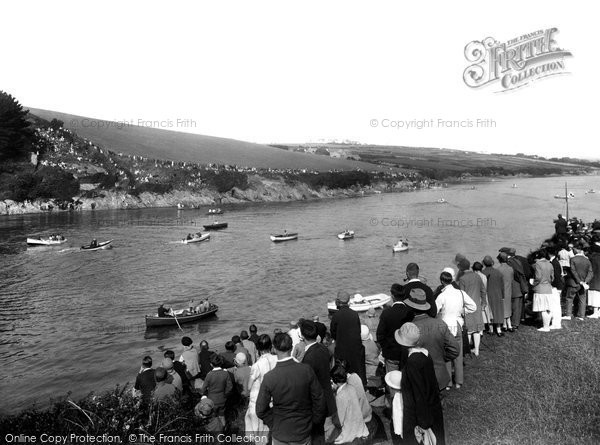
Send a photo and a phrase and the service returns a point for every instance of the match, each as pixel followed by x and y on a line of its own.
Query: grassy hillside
pixel 178 146
pixel 441 163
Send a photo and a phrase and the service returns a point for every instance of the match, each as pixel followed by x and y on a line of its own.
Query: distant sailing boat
pixel 566 197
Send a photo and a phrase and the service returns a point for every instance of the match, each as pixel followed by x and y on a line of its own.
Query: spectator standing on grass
pixel 228 355
pixel 452 304
pixel 163 391
pixel 217 386
pixel 495 293
pixel 345 330
pixel 558 284
pixel 542 288
pixel 290 399
pixel 594 291
pixel 253 334
pixel 508 276
pixel 578 284
pixel 204 357
pixel 249 345
pixel 189 357
pixel 266 362
pixel 391 319
pixel 473 286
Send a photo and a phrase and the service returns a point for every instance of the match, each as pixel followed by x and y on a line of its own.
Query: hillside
pixel 187 147
pixel 443 163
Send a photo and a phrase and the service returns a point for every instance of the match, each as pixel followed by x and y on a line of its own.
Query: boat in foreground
pixel 284 237
pixel 52 240
pixel 215 226
pixel 196 238
pixel 359 303
pixel 181 316
pixel 348 234
pixel 98 246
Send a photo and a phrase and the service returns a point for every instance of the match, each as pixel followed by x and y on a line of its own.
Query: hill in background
pixel 178 146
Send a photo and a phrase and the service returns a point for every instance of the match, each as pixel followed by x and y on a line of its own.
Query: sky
pixel 293 72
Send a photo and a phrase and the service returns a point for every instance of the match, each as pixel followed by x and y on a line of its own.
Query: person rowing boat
pixel 163 311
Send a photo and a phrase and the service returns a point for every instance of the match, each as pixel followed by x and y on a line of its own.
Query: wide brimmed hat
pixel 408 335
pixel 393 379
pixel 458 257
pixel 365 334
pixel 417 299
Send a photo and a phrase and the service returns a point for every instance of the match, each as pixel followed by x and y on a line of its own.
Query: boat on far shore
pixel 590 191
pixel 216 211
pixel 442 201
pixel 283 237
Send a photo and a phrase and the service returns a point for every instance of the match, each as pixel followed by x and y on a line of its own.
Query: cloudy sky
pixel 273 71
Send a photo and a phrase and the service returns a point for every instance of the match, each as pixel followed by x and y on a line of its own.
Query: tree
pixel 15 132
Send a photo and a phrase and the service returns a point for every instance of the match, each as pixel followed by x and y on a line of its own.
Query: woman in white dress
pixel 452 304
pixel 265 363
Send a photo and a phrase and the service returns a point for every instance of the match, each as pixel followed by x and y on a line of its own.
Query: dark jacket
pixel 297 401
pixel 345 330
pixel 595 260
pixel 217 386
pixel 204 357
pixel 558 282
pixel 145 382
pixel 441 344
pixel 317 357
pixel 391 319
pixel 581 271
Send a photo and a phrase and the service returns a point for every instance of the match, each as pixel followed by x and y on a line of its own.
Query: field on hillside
pixel 178 146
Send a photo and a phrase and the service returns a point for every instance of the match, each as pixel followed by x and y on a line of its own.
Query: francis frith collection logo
pixel 515 63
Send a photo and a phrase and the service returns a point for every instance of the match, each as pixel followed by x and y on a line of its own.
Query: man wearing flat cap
pixel 345 330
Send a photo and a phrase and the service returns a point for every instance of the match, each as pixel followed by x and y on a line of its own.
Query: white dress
pixel 253 424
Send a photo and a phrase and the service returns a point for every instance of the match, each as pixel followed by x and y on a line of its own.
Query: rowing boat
pixel 348 234
pixel 99 246
pixel 196 238
pixel 359 303
pixel 50 241
pixel 284 237
pixel 215 226
pixel 400 246
pixel 155 320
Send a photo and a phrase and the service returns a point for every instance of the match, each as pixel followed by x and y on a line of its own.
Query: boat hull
pixel 281 238
pixel 100 246
pixel 371 301
pixel 44 242
pixel 196 240
pixel 156 321
pixel 215 226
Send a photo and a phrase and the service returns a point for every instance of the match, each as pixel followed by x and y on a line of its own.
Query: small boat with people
pixel 175 317
pixel 514 186
pixel 95 245
pixel 180 206
pixel 215 226
pixel 569 196
pixel 401 246
pixel 442 201
pixel 284 237
pixel 346 234
pixel 359 303
pixel 216 211
pixel 52 240
pixel 590 191
pixel 195 238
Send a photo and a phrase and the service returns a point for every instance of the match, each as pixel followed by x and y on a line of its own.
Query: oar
pixel 175 316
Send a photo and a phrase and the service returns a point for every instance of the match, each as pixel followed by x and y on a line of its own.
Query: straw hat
pixel 408 335
pixel 393 379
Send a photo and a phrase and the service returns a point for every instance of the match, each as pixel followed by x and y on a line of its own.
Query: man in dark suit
pixel 345 330
pixel 296 395
pixel 580 277
pixel 391 319
pixel 560 227
pixel 316 355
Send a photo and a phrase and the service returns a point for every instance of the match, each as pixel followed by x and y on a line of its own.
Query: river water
pixel 74 321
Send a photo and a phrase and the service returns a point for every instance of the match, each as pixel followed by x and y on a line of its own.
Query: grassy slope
pixel 443 159
pixel 530 387
pixel 178 146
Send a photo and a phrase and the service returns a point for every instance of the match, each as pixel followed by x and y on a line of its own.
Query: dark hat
pixel 487 261
pixel 504 249
pixel 458 258
pixel 397 291
pixel 464 264
pixel 417 299
pixel 502 256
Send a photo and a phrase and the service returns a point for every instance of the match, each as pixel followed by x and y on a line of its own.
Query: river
pixel 74 321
